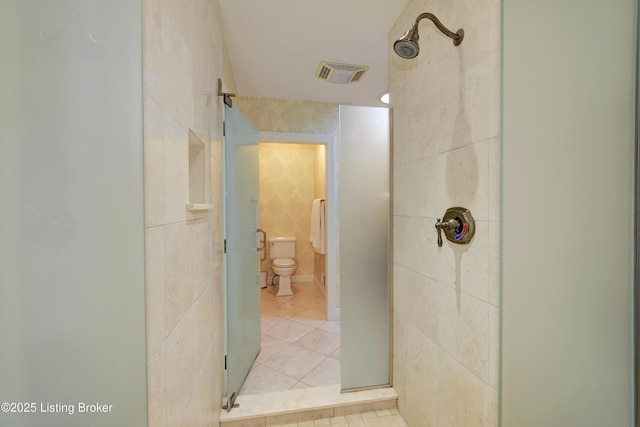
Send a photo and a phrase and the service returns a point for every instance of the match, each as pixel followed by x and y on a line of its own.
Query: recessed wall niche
pixel 199 177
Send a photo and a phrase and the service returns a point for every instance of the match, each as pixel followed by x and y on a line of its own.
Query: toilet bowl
pixel 282 251
pixel 284 269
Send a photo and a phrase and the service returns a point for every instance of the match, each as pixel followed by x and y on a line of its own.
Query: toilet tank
pixel 282 247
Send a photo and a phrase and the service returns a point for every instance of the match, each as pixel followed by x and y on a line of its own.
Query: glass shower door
pixel 365 221
pixel 72 250
pixel 242 248
pixel 568 154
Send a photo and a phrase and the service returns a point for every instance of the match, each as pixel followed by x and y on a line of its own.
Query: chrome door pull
pixel 263 242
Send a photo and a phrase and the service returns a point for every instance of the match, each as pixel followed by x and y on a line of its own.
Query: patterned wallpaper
pixel 287 189
pixel 285 115
pixel 295 116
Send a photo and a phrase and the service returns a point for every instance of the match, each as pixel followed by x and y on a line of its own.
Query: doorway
pixel 292 188
pixel 331 268
pixel 300 344
pixel 360 134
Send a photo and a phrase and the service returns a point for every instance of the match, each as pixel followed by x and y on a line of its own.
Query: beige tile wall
pixel 184 55
pixel 446 153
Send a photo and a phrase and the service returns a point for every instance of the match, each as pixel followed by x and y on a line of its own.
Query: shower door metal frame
pixel 241 247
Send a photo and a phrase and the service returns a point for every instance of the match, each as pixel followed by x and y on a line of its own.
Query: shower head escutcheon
pixel 407 46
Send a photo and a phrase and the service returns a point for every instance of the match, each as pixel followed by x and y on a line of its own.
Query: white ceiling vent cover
pixel 340 73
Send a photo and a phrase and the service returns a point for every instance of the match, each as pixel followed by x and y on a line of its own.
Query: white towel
pixel 316 228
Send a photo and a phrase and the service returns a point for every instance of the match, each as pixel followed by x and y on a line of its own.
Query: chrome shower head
pixel 407 46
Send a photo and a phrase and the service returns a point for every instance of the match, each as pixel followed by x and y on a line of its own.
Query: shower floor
pixel 300 348
pixel 295 381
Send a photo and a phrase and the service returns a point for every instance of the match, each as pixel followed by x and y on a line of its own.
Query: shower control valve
pixel 458 226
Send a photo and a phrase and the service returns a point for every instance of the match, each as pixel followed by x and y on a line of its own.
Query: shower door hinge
pixel 232 403
pixel 226 97
pixel 225 362
pixel 225 246
pixel 224 128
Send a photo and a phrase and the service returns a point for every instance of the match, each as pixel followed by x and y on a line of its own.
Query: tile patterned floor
pixel 386 418
pixel 300 348
pixel 301 356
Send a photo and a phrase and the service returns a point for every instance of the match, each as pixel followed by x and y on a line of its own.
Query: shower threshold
pixel 308 404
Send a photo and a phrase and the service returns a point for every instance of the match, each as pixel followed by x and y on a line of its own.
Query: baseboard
pixel 302 278
pixel 294 279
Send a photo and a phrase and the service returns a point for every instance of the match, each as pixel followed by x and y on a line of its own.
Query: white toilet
pixel 282 251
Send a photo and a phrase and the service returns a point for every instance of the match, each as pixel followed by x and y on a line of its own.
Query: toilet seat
pixel 283 262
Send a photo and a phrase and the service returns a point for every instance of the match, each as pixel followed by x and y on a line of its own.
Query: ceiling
pixel 275 46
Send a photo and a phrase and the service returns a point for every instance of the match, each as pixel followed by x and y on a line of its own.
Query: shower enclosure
pixel 72 285
pixel 569 206
pixel 242 246
pixel 365 247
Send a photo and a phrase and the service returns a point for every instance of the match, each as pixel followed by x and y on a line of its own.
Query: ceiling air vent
pixel 340 73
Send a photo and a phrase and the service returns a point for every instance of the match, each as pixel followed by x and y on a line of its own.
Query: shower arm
pixel 457 37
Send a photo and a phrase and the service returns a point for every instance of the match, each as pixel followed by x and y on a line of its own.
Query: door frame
pixel 333 197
